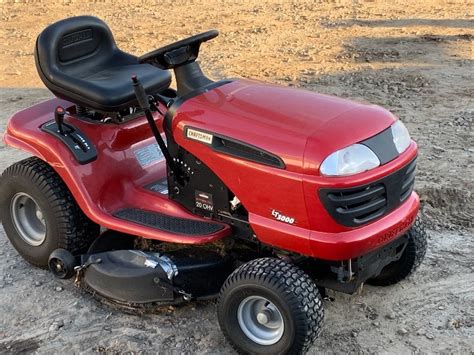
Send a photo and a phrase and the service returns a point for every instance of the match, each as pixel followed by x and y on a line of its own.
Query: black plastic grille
pixel 408 181
pixel 359 205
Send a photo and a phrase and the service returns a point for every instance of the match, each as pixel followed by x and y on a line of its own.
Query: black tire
pixel 286 286
pixel 62 263
pixel 411 258
pixel 66 225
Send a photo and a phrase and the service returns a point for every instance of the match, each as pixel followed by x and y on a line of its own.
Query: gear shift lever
pixel 59 118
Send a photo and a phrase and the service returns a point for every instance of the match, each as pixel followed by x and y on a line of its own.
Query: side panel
pixel 261 189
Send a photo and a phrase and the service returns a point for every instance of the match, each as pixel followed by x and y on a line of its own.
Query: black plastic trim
pixel 239 149
pixel 382 145
pixel 168 223
pixel 77 142
pixel 355 206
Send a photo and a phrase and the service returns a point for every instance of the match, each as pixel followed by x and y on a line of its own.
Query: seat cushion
pixel 113 87
pixel 78 60
pixel 109 90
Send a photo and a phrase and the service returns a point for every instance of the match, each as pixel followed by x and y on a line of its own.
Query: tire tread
pixel 415 254
pixel 302 295
pixel 76 230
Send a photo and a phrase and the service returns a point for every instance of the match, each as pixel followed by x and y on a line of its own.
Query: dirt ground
pixel 414 58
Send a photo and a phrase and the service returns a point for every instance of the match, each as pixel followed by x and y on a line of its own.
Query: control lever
pixel 59 118
pixel 59 114
pixel 142 98
pixel 77 142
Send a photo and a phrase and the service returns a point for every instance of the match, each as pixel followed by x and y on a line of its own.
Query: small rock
pixel 38 283
pixel 376 324
pixel 429 336
pixel 441 308
pixel 391 315
pixel 59 289
pixel 402 331
pixel 420 332
pixel 354 334
pixel 56 325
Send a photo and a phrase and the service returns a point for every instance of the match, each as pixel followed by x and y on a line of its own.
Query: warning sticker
pixel 160 186
pixel 149 155
pixel 204 200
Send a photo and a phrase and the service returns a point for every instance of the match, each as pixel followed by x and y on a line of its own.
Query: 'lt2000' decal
pixel 279 217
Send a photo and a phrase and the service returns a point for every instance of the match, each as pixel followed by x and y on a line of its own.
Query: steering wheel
pixel 178 53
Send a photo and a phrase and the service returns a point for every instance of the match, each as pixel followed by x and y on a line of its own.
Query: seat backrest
pixel 77 47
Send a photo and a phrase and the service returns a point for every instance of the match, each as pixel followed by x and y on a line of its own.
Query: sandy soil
pixel 415 58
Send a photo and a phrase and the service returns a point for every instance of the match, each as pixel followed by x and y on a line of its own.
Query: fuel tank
pixel 299 127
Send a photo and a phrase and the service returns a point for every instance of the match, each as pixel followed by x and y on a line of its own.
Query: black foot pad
pixel 167 223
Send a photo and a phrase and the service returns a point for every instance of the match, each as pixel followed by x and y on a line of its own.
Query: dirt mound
pixel 447 207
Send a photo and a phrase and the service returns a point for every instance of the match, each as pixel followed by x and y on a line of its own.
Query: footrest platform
pixel 170 224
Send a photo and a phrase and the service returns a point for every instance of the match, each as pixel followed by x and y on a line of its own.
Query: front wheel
pixel 39 213
pixel 411 258
pixel 268 306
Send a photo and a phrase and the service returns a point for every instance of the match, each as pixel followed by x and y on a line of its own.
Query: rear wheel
pixel 268 306
pixel 411 258
pixel 39 213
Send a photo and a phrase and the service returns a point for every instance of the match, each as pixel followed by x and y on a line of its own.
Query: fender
pixel 115 180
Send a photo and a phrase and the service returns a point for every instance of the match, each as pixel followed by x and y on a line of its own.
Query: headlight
pixel 401 137
pixel 350 160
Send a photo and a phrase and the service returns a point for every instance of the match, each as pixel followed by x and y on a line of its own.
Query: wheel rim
pixel 260 320
pixel 57 267
pixel 28 219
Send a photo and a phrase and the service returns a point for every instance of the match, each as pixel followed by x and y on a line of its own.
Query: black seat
pixel 78 60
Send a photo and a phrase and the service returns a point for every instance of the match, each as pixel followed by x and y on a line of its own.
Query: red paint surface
pixel 112 182
pixel 300 127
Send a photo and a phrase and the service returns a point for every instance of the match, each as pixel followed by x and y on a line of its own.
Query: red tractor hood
pixel 300 127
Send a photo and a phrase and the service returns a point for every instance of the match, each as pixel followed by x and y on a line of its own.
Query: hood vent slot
pixel 245 151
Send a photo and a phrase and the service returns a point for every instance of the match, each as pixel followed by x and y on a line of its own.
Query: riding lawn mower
pixel 258 195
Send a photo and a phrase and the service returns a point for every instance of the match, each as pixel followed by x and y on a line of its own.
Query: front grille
pixel 355 206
